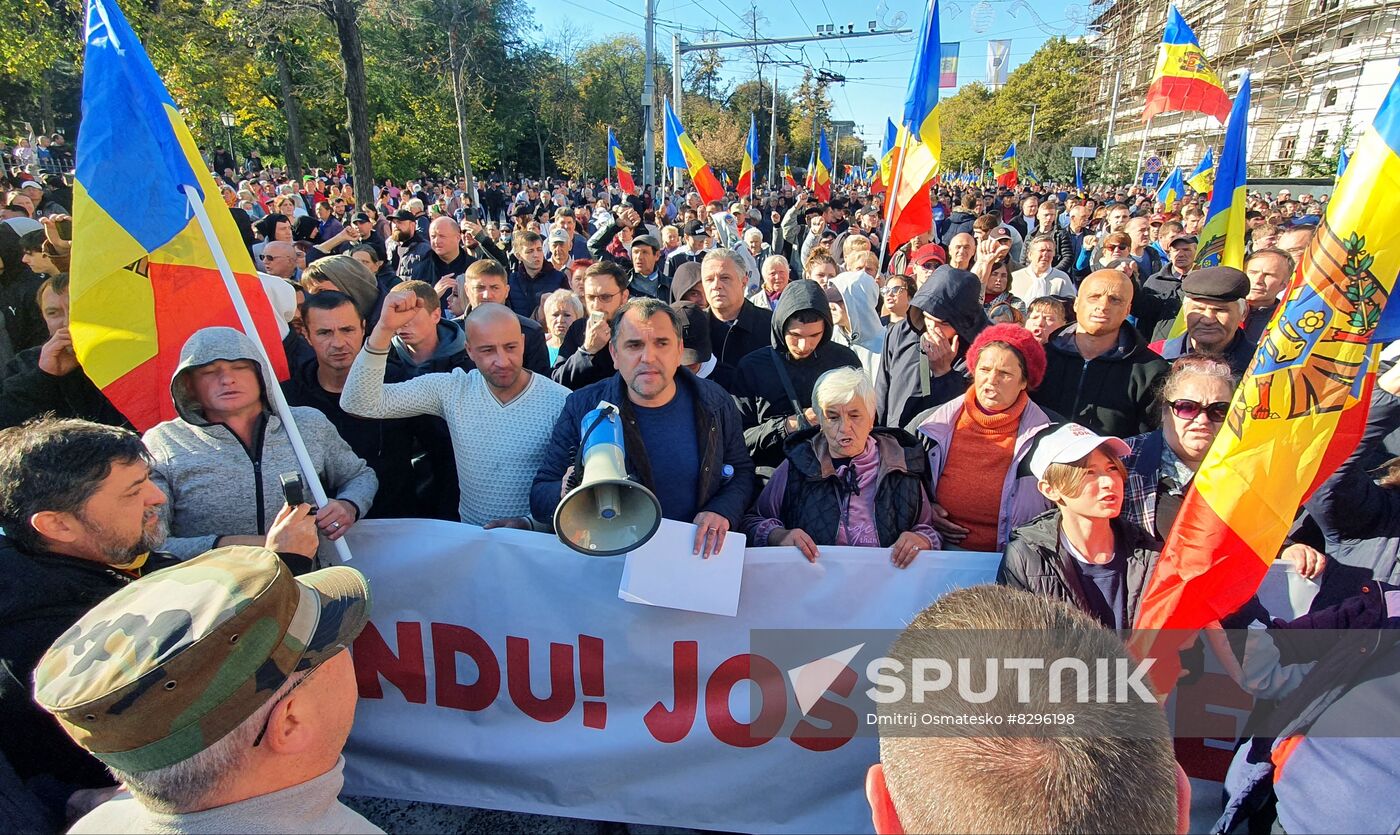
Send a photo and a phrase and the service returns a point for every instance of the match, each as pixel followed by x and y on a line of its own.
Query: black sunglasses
pixel 1189 409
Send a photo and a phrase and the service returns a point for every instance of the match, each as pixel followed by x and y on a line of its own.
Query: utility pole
pixel 676 51
pixel 1031 138
pixel 773 136
pixel 1112 114
pixel 649 99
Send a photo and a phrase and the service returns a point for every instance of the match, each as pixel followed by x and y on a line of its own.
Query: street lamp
pixel 228 119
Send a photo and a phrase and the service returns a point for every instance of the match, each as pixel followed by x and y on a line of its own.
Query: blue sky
pixel 877 69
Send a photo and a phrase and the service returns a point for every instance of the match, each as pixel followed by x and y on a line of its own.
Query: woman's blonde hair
pixel 1069 479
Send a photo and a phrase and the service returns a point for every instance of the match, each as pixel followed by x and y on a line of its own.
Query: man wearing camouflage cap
pixel 218 692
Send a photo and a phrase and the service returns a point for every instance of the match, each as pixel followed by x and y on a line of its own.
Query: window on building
pixel 1287 147
pixel 1320 141
pixel 1328 5
pixel 1347 39
pixel 1330 99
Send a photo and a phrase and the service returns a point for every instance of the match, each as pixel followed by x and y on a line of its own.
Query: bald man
pixel 446 258
pixel 1099 370
pixel 499 414
pixel 281 259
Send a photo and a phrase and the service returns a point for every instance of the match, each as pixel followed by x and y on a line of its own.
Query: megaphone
pixel 607 513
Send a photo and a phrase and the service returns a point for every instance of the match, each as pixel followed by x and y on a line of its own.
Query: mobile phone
pixel 596 315
pixel 292 488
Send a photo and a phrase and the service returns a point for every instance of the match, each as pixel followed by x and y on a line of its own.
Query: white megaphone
pixel 608 513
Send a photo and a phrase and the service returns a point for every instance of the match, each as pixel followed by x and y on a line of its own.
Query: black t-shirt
pixel 1105 586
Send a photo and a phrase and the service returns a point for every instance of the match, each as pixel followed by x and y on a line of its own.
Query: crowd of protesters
pixel 1039 374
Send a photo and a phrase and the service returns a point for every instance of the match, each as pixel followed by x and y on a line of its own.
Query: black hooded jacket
pixel 949 295
pixel 19 289
pixel 764 401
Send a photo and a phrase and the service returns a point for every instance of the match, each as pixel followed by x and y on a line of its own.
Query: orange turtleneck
pixel 969 487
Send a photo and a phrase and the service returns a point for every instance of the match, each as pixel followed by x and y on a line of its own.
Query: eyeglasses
pixel 1188 410
pixel 602 298
pixel 893 289
pixel 257 740
pixel 1115 247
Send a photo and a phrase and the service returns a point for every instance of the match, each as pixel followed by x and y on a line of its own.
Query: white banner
pixel 502 671
pixel 998 62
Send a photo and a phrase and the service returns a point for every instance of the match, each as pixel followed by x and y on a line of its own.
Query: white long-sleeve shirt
pixel 498 447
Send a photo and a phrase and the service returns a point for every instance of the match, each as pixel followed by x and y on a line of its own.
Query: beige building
pixel 1319 71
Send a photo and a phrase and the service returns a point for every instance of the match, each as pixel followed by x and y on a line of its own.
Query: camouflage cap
pixel 170 664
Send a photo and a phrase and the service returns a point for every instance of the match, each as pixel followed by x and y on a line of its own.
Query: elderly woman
pixel 558 310
pixel 1194 402
pixel 845 482
pixel 1001 306
pixel 978 443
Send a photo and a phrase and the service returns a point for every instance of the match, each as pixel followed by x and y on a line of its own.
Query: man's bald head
pixel 496 344
pixel 490 316
pixel 280 259
pixel 445 238
pixel 1103 302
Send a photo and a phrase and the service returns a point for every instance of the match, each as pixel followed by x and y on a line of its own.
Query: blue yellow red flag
pixel 746 168
pixel 143 277
pixel 1202 179
pixel 1183 79
pixel 1342 159
pixel 1007 168
pixel 1299 410
pixel 1171 190
pixel 690 159
pixel 787 174
pixel 921 99
pixel 672 155
pixel 1223 234
pixel 619 162
pixel 821 182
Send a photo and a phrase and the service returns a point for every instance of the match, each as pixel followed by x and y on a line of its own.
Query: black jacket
pixel 1033 561
pixel 958 222
pixel 598 249
pixel 431 268
pixel 19 288
pixel 526 292
pixel 28 392
pixel 42 596
pixel 386 445
pixel 949 295
pixel 718 430
pixel 576 368
pixel 752 330
pixel 1114 393
pixel 403 256
pixel 764 402
pixel 1157 300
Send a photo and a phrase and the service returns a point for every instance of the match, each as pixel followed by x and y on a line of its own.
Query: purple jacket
pixel 1021 501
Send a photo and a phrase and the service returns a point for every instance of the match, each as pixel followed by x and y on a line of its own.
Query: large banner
pixel 500 670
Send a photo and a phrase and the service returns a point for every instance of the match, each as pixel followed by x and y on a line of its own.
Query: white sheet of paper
pixel 665 572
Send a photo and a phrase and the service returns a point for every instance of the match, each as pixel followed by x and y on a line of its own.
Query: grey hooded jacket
pixel 214 485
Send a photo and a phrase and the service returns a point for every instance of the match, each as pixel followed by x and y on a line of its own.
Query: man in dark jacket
pixel 961 219
pixel 446 258
pixel 486 282
pixel 1099 370
pixel 19 288
pixel 682 434
pixel 336 332
pixel 1160 297
pixel 1213 301
pixel 923 364
pixel 644 275
pixel 81 520
pixel 738 327
pixel 410 246
pixel 773 385
pixel 584 357
pixel 47 379
pixel 534 277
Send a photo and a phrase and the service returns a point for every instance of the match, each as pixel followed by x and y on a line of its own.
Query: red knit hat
pixel 1020 340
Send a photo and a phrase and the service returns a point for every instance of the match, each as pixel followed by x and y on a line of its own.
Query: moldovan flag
pixel 1006 168
pixel 888 151
pixel 1183 79
pixel 810 180
pixel 745 187
pixel 143 275
pixel 1202 180
pixel 700 174
pixel 1171 190
pixel 1342 159
pixel 920 143
pixel 1299 410
pixel 787 174
pixel 624 171
pixel 821 180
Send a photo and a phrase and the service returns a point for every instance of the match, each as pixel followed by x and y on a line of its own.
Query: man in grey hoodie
pixel 220 460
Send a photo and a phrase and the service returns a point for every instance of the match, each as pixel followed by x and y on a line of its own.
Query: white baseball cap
pixel 1068 444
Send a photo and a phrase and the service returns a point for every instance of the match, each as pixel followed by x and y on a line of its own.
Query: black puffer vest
pixel 816 498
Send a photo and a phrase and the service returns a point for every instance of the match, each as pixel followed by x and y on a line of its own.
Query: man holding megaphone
pixel 682 435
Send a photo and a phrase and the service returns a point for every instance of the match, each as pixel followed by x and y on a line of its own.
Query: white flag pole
pixel 892 193
pixel 245 318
